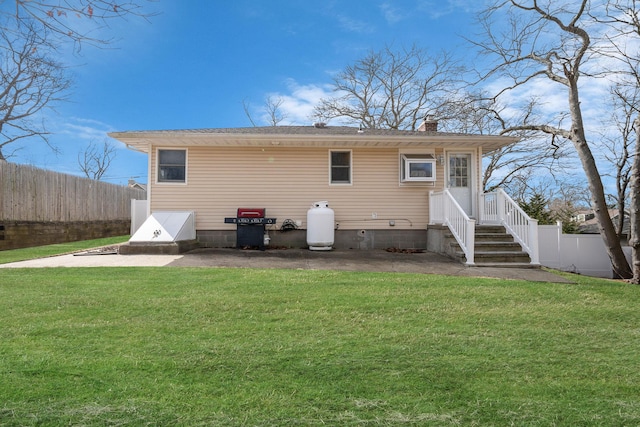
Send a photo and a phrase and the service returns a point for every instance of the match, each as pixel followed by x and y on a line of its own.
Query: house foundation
pixel 439 239
pixel 163 248
pixel 363 239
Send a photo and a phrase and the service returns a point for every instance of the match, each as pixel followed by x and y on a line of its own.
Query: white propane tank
pixel 320 227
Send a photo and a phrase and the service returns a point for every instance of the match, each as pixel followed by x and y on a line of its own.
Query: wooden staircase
pixel 494 247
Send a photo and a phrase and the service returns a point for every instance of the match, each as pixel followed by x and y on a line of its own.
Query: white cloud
pixel 85 129
pixel 298 103
pixel 439 8
pixel 354 25
pixel 391 14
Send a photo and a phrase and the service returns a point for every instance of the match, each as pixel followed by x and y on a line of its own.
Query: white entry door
pixel 460 177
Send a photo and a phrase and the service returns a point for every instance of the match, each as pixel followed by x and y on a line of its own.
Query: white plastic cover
pixel 166 226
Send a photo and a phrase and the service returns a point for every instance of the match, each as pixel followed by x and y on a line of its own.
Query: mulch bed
pixel 105 250
pixel 405 251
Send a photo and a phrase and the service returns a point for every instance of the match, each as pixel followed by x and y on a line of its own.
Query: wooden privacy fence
pixel 31 194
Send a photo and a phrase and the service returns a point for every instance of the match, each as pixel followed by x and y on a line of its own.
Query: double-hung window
pixel 172 166
pixel 340 167
pixel 418 168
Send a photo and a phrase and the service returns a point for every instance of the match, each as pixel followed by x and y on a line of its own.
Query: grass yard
pixel 57 249
pixel 239 347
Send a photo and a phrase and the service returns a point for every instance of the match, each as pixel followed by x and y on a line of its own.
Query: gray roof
pixel 308 136
pixel 293 130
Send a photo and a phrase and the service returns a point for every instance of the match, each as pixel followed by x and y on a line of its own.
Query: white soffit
pixel 143 140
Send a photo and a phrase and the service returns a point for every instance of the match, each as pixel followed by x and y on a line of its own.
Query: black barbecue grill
pixel 250 227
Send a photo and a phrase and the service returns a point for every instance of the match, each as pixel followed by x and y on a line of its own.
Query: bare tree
pixel 566 202
pixel 559 198
pixel 634 239
pixel 477 114
pixel 95 160
pixel 79 21
pixel 394 89
pixel 618 147
pixel 620 43
pixel 246 106
pixel 390 89
pixel 550 40
pixel 30 81
pixel 272 112
pixel 31 35
pixel 519 162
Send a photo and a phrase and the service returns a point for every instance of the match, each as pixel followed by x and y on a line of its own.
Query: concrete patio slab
pixel 345 260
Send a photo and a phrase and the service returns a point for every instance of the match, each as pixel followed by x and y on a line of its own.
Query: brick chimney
pixel 430 124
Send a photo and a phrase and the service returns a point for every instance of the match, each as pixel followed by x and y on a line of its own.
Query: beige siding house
pixel 378 182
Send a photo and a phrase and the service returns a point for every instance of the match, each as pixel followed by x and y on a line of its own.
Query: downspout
pixel 149 183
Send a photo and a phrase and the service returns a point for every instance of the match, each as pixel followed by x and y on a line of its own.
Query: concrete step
pixel 494 247
pixel 497 246
pixel 501 257
pixel 490 246
pixel 495 229
pixel 508 265
pixel 485 237
pixel 493 237
pixel 495 257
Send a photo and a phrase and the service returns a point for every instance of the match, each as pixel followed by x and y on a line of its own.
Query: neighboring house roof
pixel 134 184
pixel 309 136
pixel 591 226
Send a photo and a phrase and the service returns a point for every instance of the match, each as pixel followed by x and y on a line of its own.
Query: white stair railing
pixel 498 208
pixel 443 209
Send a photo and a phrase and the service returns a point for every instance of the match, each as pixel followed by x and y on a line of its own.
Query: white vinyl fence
pixel 578 253
pixel 139 213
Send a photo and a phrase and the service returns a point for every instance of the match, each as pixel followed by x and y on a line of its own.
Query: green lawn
pixel 57 249
pixel 237 347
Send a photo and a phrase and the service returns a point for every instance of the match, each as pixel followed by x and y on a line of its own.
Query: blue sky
pixel 194 64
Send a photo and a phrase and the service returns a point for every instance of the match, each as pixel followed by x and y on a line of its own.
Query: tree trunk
pixel 607 230
pixel 634 216
pixel 612 243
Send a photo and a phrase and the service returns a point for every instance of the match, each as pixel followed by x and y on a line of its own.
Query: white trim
pixel 343 184
pixel 418 140
pixel 418 151
pixel 406 161
pixel 186 165
pixel 149 180
pixel 472 176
